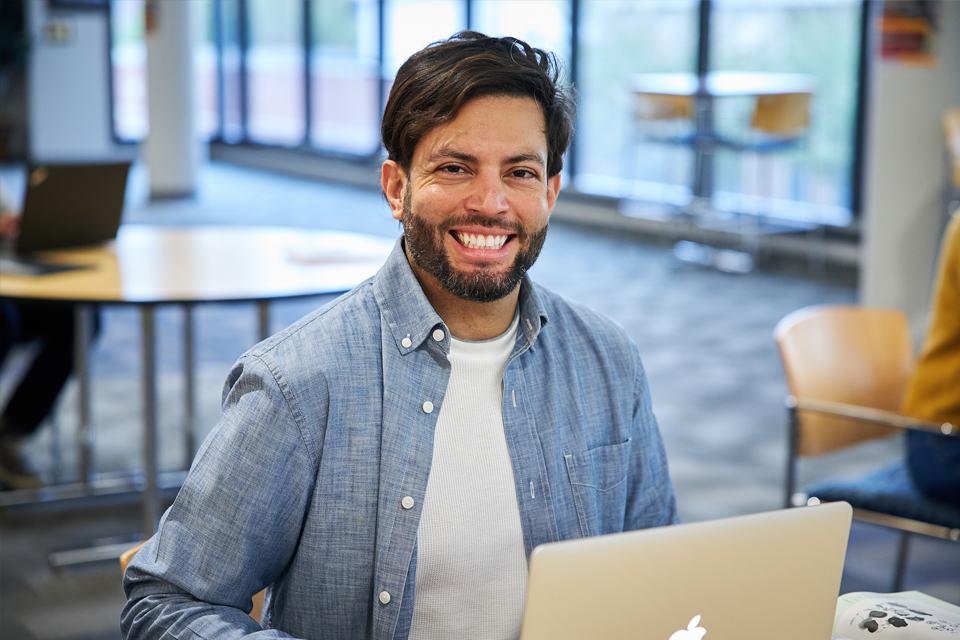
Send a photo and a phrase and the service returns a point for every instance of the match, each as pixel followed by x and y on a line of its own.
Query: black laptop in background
pixel 71 205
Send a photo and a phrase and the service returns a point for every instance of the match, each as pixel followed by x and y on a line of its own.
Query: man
pixel 387 464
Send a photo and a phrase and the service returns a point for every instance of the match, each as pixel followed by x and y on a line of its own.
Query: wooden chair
pixel 951 136
pixel 781 115
pixel 128 556
pixel 846 368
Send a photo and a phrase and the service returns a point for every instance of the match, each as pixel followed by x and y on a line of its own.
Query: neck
pixel 468 320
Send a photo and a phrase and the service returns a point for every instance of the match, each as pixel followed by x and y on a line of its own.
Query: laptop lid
pixel 767 575
pixel 69 205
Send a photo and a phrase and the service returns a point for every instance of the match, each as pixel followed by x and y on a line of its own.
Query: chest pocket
pixel 598 478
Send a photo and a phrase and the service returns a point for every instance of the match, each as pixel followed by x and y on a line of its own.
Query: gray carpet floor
pixel 705 336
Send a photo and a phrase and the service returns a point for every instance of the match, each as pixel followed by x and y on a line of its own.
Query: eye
pixel 452 168
pixel 523 173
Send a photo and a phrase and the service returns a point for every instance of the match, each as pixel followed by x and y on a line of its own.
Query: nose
pixel 488 195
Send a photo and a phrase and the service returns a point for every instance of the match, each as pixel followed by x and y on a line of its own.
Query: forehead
pixel 489 125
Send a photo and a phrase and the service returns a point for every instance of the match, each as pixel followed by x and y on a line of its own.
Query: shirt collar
pixel 410 317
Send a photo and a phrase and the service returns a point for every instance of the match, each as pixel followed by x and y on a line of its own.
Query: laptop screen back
pixel 71 205
pixel 767 575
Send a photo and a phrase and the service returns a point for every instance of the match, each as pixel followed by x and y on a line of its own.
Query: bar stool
pixel 663 120
pixel 778 124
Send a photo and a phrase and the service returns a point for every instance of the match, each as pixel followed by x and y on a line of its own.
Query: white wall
pixel 68 89
pixel 905 176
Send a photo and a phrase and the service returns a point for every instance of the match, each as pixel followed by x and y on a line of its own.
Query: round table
pixel 149 265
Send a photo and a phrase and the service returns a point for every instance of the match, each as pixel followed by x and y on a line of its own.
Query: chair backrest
pixel 844 353
pixel 127 556
pixel 781 114
pixel 951 134
pixel 656 106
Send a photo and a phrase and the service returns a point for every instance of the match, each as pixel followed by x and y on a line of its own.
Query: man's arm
pixel 650 498
pixel 236 522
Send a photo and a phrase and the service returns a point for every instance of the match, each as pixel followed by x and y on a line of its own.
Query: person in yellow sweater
pixel 933 392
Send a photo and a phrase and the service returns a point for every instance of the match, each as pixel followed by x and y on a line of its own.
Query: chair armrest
pixel 870 414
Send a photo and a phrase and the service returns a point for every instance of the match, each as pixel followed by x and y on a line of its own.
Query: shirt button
pixel 428 407
pixel 407 502
pixel 406 342
pixel 384 597
pixel 438 335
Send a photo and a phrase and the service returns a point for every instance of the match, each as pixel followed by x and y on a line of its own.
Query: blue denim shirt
pixel 324 430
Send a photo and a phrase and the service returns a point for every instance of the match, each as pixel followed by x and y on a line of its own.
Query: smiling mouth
pixel 479 241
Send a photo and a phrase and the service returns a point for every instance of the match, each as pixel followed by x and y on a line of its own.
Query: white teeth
pixel 479 241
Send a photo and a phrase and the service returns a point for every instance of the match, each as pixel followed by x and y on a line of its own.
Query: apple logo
pixel 692 632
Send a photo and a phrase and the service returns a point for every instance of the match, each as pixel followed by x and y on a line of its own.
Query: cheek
pixel 533 207
pixel 436 204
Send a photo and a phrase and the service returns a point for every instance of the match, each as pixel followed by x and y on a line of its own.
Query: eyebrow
pixel 453 154
pixel 535 158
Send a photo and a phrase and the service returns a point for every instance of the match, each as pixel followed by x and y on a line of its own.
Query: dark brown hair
pixel 436 82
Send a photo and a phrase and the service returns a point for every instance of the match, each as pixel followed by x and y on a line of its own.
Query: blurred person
pixel 385 466
pixel 933 391
pixel 24 321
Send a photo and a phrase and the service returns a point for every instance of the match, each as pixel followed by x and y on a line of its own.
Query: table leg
pixel 81 366
pixel 151 496
pixel 189 418
pixel 263 314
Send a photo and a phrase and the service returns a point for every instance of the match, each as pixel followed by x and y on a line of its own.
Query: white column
pixel 172 150
pixel 905 174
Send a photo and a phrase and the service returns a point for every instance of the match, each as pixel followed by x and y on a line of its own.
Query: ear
pixel 393 180
pixel 553 189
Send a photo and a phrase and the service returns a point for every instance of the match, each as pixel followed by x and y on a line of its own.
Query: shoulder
pixel 337 341
pixel 586 341
pixel 350 322
pixel 580 324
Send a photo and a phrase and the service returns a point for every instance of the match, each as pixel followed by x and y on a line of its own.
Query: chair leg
pixel 903 547
pixel 791 475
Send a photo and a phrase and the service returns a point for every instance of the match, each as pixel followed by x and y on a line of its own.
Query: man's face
pixel 476 202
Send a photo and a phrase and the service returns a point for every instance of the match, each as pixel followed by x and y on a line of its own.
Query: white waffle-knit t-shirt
pixel 471 565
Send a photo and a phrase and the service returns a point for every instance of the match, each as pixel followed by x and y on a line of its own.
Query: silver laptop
pixel 767 575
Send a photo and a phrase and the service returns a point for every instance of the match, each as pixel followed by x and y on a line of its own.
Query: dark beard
pixel 424 244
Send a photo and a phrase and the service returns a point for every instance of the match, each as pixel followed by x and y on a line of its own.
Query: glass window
pixel 205 68
pixel 129 61
pixel 275 72
pixel 344 68
pixel 817 38
pixel 544 24
pixel 128 58
pixel 410 25
pixel 231 88
pixel 617 151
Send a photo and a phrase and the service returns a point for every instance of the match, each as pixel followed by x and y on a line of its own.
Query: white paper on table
pixel 909 615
